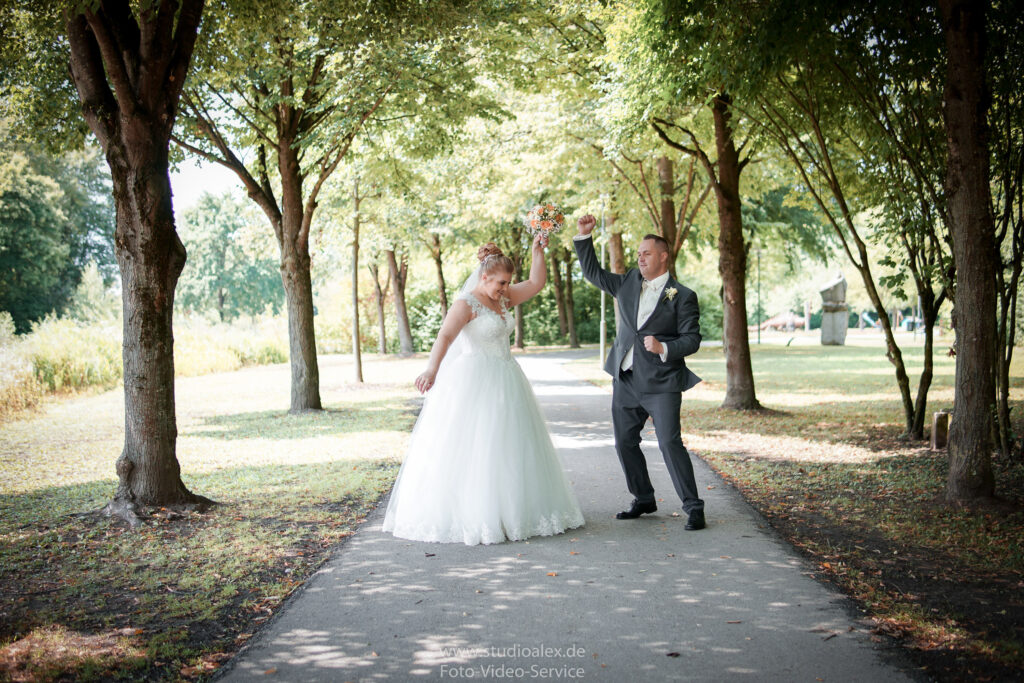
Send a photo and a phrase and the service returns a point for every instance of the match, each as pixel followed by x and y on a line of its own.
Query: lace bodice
pixel 487 333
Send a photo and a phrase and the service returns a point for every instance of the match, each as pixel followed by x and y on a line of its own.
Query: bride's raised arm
pixel 527 289
pixel 458 315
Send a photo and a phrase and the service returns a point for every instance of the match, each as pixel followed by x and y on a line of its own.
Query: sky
pixel 190 181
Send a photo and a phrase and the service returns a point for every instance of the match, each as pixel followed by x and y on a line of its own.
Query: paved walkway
pixel 615 601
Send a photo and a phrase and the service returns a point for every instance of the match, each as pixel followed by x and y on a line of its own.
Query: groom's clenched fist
pixel 586 224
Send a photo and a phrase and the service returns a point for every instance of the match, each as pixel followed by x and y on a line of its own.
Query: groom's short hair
pixel 661 241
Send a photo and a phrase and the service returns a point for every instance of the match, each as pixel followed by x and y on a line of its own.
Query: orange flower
pixel 545 225
pixel 533 223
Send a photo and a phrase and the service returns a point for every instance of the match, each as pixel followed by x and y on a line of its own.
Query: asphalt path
pixel 637 600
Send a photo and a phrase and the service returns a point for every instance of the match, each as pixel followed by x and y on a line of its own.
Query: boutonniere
pixel 670 293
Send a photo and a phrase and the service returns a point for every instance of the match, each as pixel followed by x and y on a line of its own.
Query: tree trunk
pixel 129 97
pixel 398 275
pixel 966 103
pixel 436 253
pixel 616 261
pixel 519 339
pixel 357 356
pixel 150 257
pixel 379 294
pixel 556 281
pixel 666 182
pixel 732 266
pixel 570 306
pixel 929 311
pixel 293 238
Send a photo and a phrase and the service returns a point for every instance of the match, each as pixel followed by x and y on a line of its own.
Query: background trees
pixel 773 136
pixel 231 269
pixel 56 216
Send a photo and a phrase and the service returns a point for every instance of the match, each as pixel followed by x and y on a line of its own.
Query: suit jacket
pixel 675 323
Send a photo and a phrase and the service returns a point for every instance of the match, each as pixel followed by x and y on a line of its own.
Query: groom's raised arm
pixel 592 270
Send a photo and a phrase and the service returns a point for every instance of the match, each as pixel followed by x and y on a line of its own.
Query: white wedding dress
pixel 480 466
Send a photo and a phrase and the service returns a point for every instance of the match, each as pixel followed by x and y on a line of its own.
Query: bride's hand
pixel 425 381
pixel 540 241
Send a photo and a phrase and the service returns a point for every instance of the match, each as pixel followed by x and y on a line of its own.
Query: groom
pixel 659 324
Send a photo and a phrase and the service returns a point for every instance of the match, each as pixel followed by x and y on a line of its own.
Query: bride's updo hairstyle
pixel 492 259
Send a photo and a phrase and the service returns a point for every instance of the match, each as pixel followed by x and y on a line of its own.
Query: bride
pixel 481 467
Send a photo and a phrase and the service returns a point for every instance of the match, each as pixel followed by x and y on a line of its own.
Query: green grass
pixel 826 464
pixel 88 599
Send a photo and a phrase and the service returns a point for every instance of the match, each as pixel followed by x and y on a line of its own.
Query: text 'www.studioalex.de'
pixel 514 662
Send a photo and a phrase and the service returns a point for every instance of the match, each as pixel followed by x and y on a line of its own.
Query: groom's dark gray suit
pixel 652 387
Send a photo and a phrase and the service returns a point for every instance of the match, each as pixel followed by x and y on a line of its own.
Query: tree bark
pixel 293 239
pixel 570 306
pixel 129 99
pixel 399 273
pixel 966 102
pixel 436 253
pixel 616 261
pixel 732 265
pixel 357 356
pixel 520 335
pixel 556 282
pixel 379 295
pixel 667 185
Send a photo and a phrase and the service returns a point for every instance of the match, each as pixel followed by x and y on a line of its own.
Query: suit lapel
pixel 634 301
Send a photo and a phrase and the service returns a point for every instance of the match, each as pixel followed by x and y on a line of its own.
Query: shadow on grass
pixel 273 424
pixel 177 585
pixel 928 570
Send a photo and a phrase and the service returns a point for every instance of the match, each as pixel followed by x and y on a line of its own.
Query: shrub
pixel 19 389
pixel 68 355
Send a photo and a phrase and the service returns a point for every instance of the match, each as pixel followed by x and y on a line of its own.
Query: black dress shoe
pixel 637 509
pixel 696 521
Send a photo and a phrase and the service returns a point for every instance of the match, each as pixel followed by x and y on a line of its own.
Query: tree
pixel 723 175
pixel 290 87
pixel 398 269
pixel 33 253
pixel 379 295
pixel 357 356
pixel 667 88
pixel 56 217
pixel 127 67
pixel 966 103
pixel 1005 71
pixel 229 269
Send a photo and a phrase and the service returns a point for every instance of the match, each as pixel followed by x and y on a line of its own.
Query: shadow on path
pixel 612 601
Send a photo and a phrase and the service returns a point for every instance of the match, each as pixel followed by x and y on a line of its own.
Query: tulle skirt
pixel 481 467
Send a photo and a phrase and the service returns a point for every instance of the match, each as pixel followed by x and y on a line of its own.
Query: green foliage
pixel 94 301
pixel 37 96
pixel 33 254
pixel 54 219
pixel 424 316
pixel 231 268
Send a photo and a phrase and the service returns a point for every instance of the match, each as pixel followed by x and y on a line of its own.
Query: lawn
pixel 88 599
pixel 826 466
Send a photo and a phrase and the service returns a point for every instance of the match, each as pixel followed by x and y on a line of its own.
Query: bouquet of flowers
pixel 545 219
